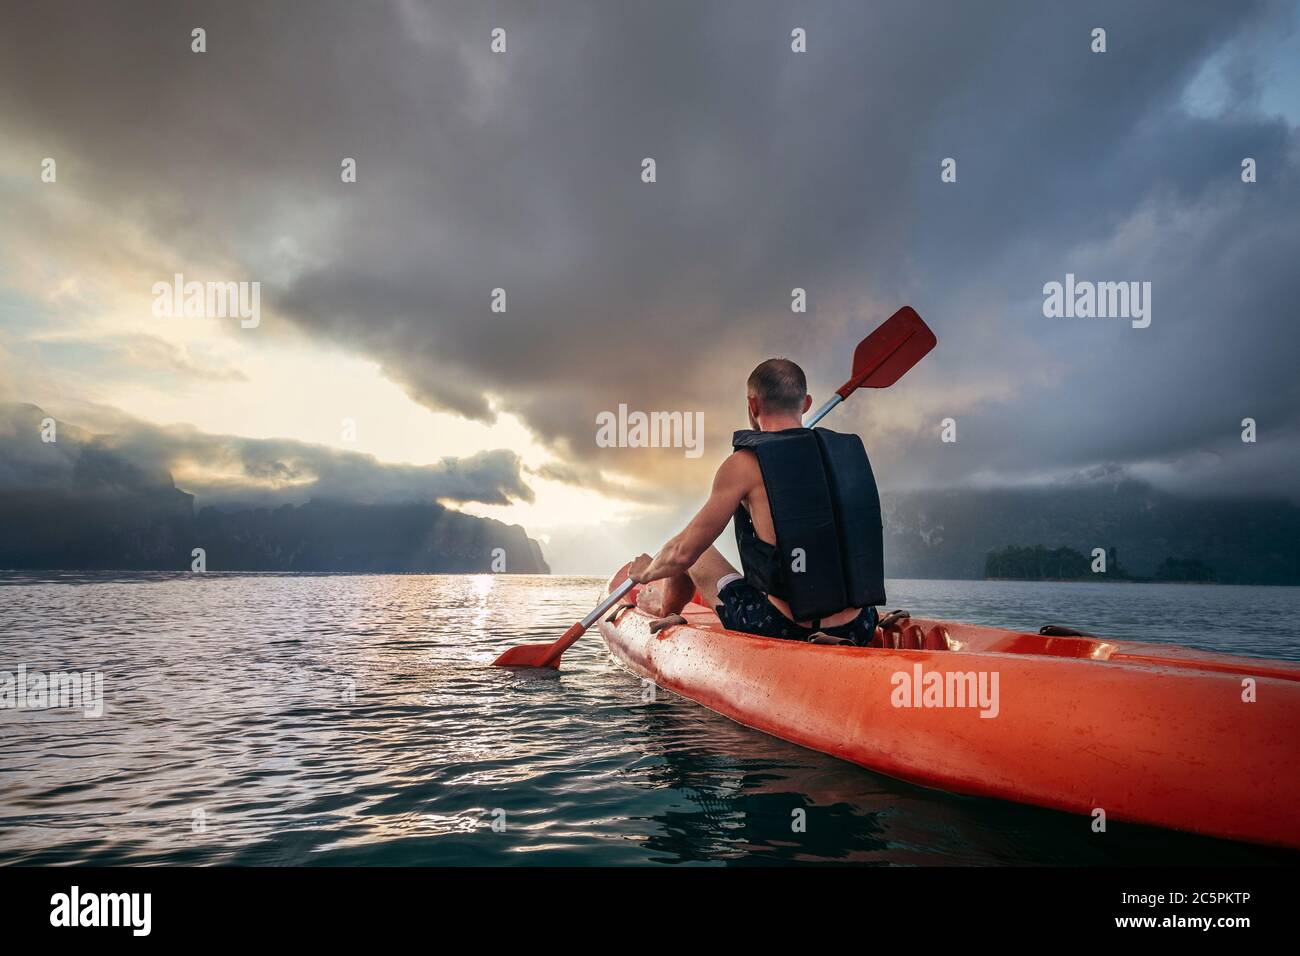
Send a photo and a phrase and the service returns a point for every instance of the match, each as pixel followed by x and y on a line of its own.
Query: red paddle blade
pixel 527 655
pixel 540 655
pixel 882 357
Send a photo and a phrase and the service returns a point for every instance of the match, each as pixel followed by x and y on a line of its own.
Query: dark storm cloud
pixel 775 170
pixel 224 469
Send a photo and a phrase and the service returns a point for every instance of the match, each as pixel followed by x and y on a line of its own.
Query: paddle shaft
pixel 824 410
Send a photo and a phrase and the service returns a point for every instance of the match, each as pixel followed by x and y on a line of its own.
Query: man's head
pixel 778 393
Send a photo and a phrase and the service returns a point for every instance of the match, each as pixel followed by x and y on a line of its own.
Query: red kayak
pixel 1148 733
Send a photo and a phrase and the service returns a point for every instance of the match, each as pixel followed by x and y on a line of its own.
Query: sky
pixel 379 369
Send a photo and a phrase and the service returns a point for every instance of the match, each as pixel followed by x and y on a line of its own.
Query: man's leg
pixel 705 574
pixel 667 597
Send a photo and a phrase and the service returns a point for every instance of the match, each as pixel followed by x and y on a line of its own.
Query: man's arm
pixel 730 486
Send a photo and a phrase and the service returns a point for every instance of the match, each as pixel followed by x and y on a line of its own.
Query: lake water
pixel 354 719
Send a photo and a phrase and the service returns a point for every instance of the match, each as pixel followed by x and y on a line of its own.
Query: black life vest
pixel 824 501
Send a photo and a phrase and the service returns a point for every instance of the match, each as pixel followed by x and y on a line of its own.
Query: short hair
pixel 779 385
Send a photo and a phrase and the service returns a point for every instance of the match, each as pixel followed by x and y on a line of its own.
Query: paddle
pixel 878 362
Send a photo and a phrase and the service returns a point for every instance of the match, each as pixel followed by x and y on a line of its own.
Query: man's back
pixel 760 514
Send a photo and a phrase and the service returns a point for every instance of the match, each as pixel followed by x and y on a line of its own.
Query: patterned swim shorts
pixel 744 607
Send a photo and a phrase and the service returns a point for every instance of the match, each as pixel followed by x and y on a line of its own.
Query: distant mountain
pixel 338 536
pixel 1014 563
pixel 949 534
pixel 132 531
pixel 78 504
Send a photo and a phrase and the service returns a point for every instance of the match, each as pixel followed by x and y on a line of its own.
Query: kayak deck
pixel 1149 733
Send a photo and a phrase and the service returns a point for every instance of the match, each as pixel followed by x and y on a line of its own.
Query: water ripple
pixel 352 719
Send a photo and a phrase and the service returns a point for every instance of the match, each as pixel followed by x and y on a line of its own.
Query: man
pixel 808 527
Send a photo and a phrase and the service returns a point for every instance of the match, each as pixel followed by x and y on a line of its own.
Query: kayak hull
pixel 1147 733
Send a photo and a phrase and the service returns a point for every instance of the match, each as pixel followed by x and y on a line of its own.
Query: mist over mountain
pixel 159 530
pixel 83 502
pixel 340 536
pixel 948 534
pixel 106 502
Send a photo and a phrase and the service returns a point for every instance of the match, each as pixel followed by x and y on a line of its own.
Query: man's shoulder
pixel 742 459
pixel 740 465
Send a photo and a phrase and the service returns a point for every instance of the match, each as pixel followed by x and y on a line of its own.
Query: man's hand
pixel 637 569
